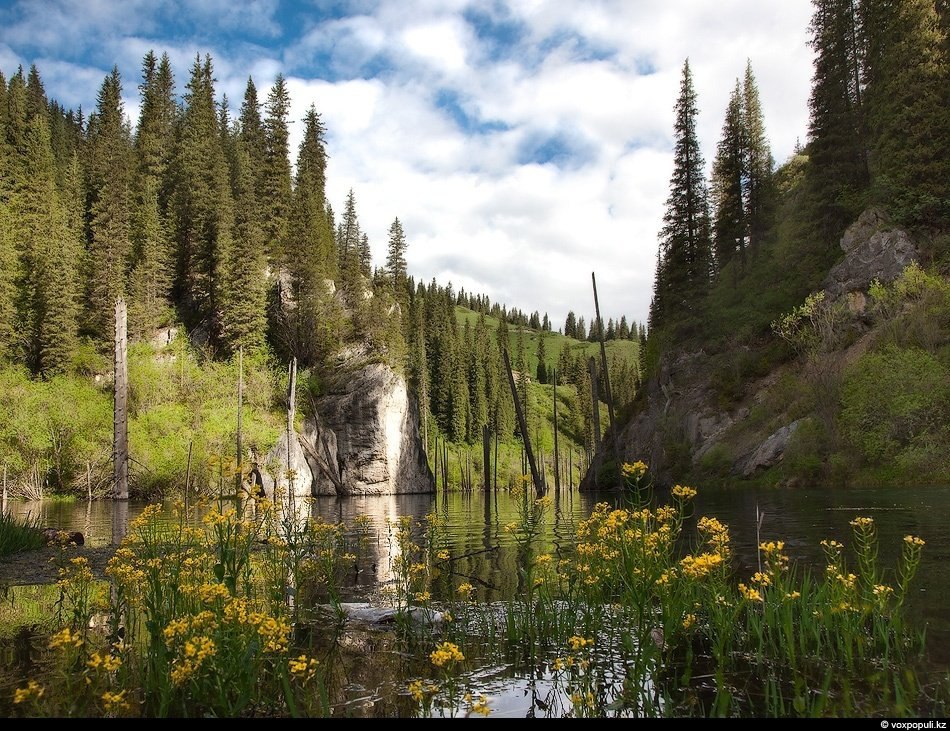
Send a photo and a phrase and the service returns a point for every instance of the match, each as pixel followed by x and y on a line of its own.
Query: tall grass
pixel 640 618
pixel 19 535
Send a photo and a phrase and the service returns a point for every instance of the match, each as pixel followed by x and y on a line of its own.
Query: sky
pixel 523 144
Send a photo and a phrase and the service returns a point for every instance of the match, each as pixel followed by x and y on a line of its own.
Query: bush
pixel 895 410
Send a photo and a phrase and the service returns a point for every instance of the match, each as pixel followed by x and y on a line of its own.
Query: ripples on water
pixel 484 553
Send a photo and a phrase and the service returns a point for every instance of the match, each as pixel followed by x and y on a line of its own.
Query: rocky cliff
pixel 375 426
pixel 360 438
pixel 680 422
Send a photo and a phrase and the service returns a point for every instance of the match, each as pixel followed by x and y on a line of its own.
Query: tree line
pixel 195 216
pixel 879 131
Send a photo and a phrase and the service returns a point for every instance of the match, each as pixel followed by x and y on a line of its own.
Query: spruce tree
pixel 244 316
pixel 730 222
pixel 757 188
pixel 203 203
pixel 310 250
pixel 51 257
pixel 110 208
pixel 542 359
pixel 838 174
pixel 151 274
pixel 396 257
pixel 907 74
pixel 349 240
pixel 685 256
pixel 37 105
pixel 276 179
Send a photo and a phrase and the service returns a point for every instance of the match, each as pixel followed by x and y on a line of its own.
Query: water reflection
pixel 484 553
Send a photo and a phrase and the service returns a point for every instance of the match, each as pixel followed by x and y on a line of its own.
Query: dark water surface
pixel 484 553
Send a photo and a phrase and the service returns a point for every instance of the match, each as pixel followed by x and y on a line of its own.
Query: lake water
pixel 484 553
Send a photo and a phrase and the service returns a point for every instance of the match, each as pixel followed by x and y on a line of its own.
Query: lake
pixel 484 553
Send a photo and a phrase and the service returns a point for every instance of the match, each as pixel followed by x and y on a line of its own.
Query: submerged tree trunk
pixel 120 444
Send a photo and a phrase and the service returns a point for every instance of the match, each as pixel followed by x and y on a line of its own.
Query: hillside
pixel 851 386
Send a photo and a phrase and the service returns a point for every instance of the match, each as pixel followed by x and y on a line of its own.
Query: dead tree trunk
pixel 595 401
pixel 603 361
pixel 239 447
pixel 486 456
pixel 120 414
pixel 557 454
pixel 535 477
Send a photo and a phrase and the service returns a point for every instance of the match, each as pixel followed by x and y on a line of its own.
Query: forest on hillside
pixel 204 222
pixel 743 255
pixel 198 219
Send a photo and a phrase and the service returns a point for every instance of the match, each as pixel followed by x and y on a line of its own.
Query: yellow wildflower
pixel 303 667
pixel 32 690
pixel 446 652
pixel 763 579
pixel 914 541
pixel 751 594
pixel 422 596
pixel 416 690
pixel 688 621
pixel 108 663
pixel 442 555
pixel 681 492
pixel 465 590
pixel 862 523
pixel 481 706
pixel 635 470
pixel 114 701
pixel 65 638
pixel 576 642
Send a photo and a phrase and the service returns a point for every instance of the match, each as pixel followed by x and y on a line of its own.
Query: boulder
pixel 873 249
pixel 771 450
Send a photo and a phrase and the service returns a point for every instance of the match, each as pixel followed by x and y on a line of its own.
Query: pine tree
pixel 396 257
pixel 348 240
pixel 110 207
pixel 244 297
pixel 581 331
pixel 907 74
pixel 685 257
pixel 51 257
pixel 757 188
pixel 838 171
pixel 154 144
pixel 623 329
pixel 730 223
pixel 37 105
pixel 154 136
pixel 203 203
pixel 310 250
pixel 276 179
pixel 542 360
pixel 570 325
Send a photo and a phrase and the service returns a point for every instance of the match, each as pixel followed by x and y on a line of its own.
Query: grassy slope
pixel 553 342
pixel 540 411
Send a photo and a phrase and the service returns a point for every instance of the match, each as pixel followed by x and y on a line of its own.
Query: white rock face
pixel 275 465
pixel 376 424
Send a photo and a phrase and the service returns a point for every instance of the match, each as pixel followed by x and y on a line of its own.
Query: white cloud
pixel 600 77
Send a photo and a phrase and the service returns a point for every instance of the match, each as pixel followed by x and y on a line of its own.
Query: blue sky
pixel 522 143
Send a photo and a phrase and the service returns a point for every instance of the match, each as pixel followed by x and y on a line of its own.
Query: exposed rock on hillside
pixel 874 249
pixel 679 419
pixel 376 425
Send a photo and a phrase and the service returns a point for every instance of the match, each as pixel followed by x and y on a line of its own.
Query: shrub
pixel 895 408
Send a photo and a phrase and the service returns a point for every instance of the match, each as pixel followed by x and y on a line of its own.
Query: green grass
pixel 16 535
pixel 553 342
